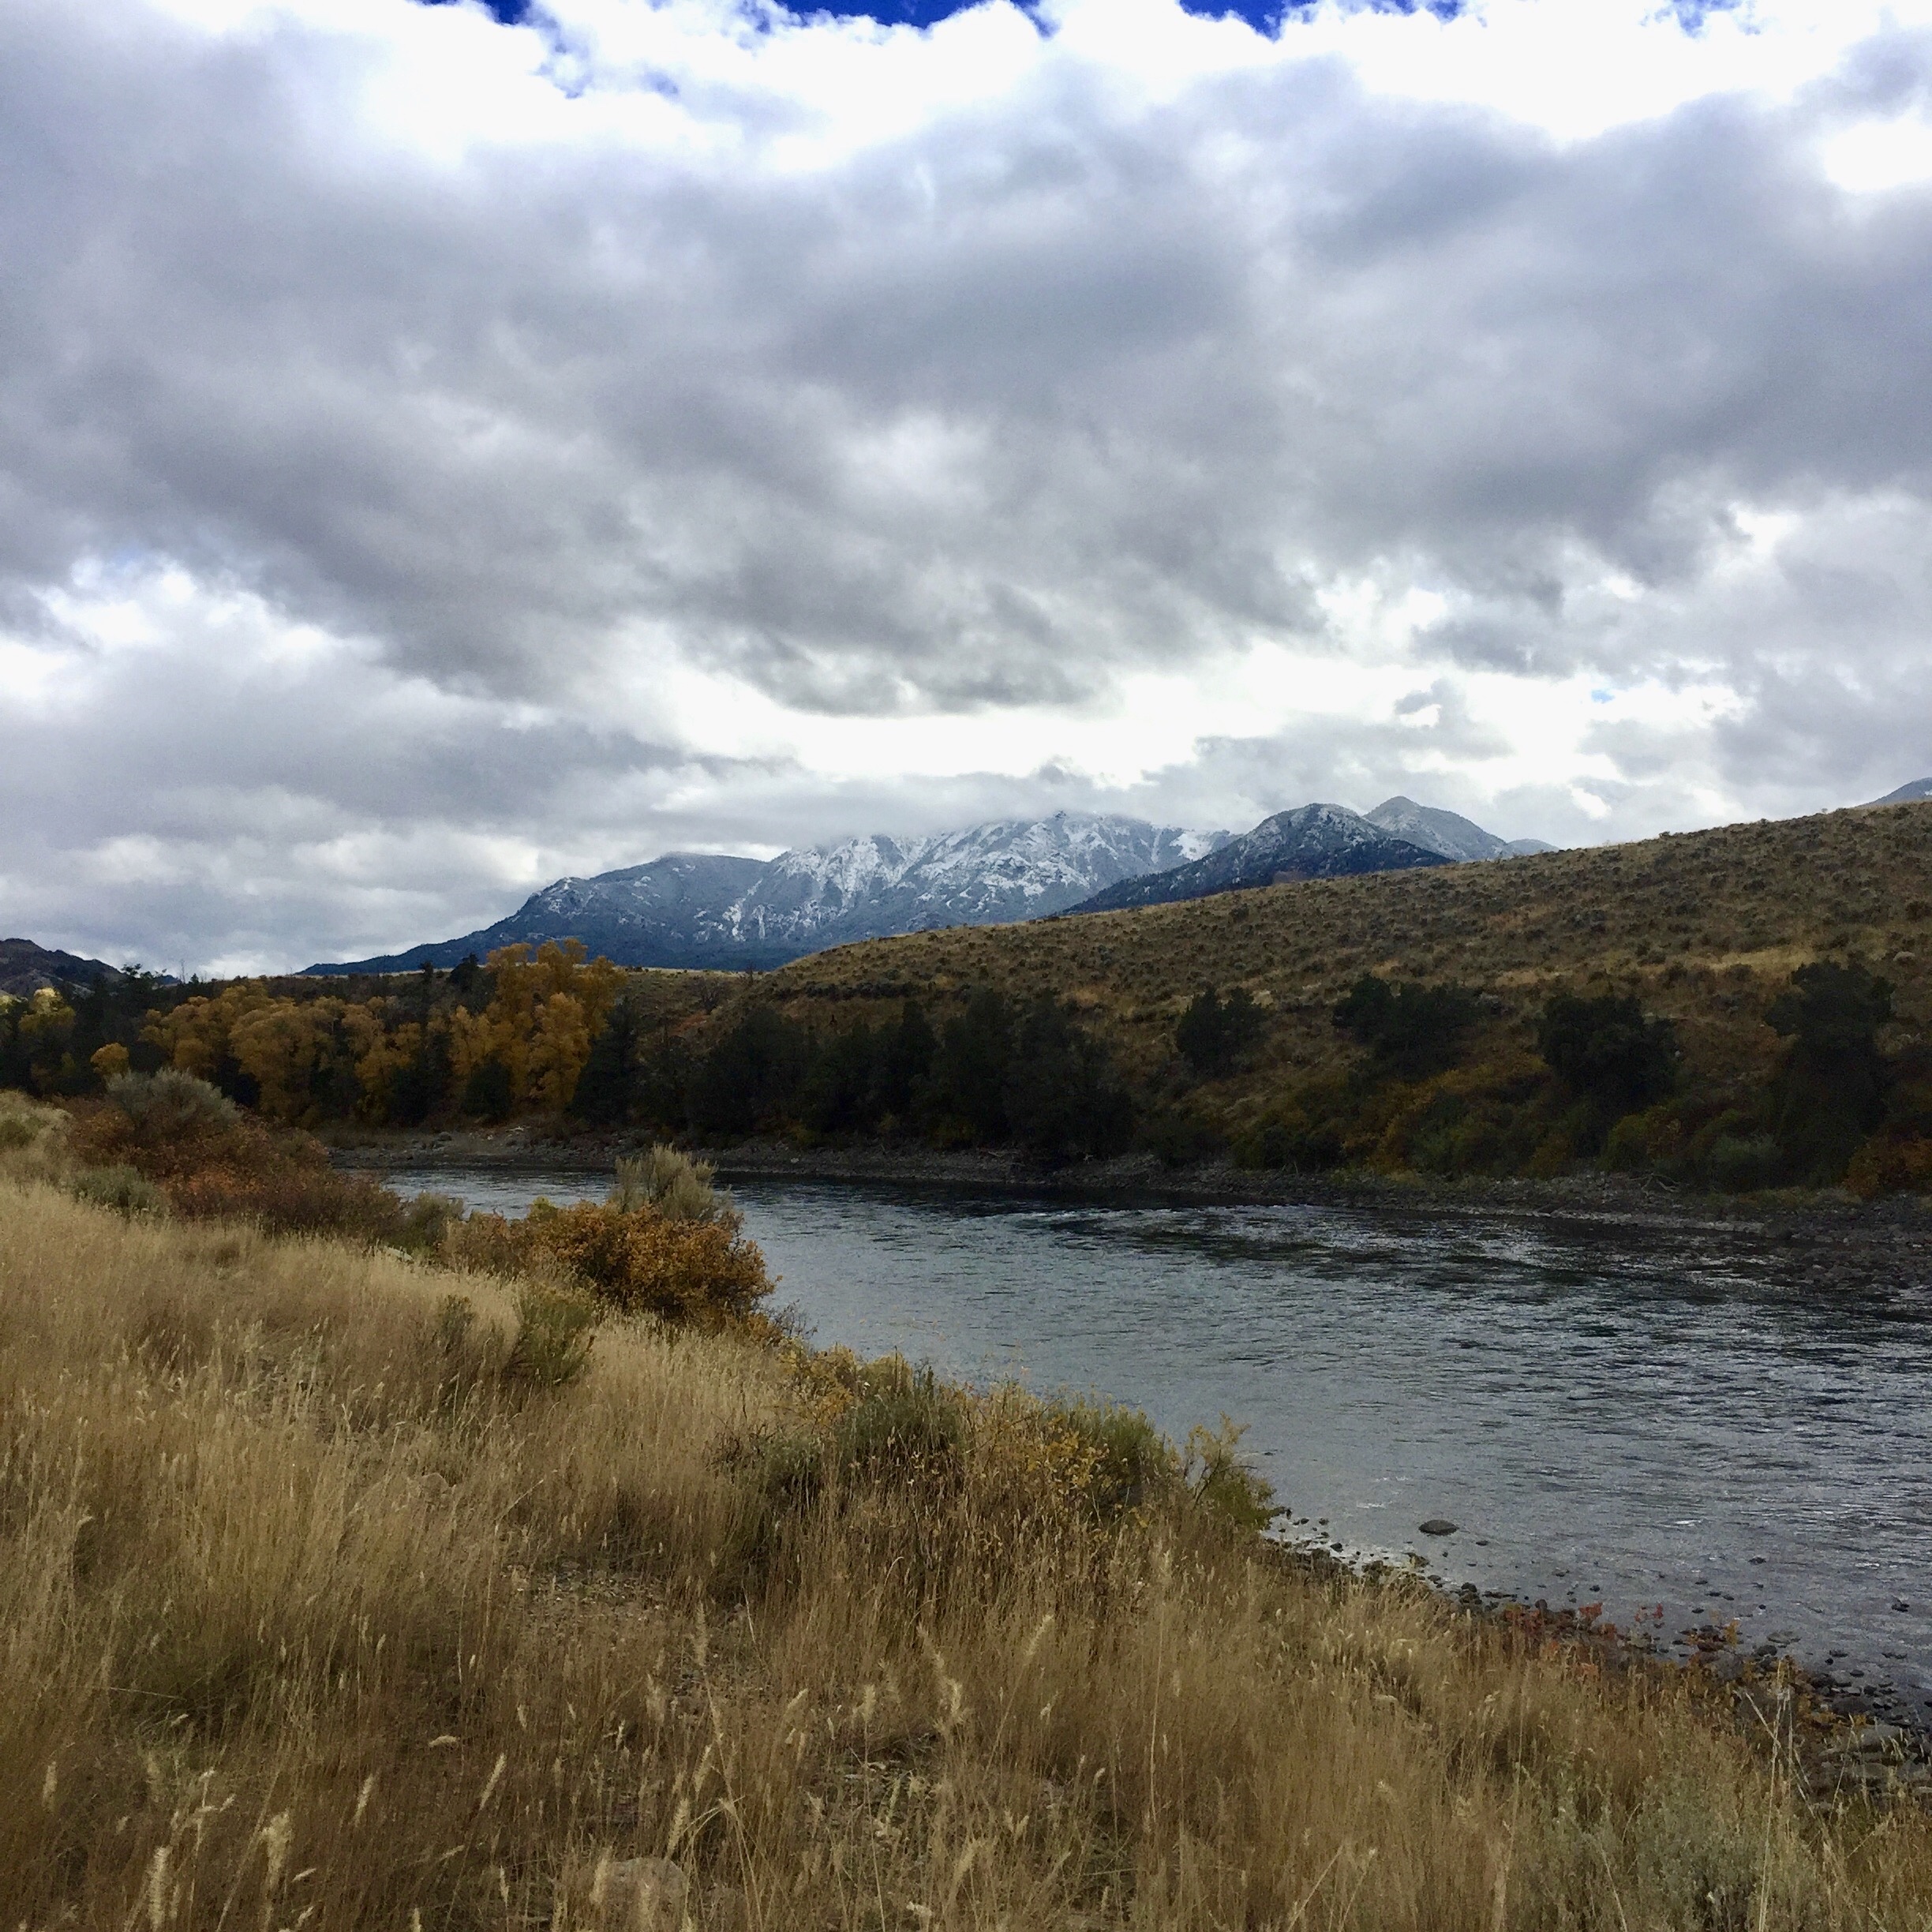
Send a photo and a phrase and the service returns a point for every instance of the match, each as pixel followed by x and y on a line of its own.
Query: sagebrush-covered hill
pixel 1706 926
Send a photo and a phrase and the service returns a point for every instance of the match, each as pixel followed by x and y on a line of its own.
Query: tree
pixel 839 1092
pixel 1061 1098
pixel 968 1081
pixel 602 1096
pixel 1607 1051
pixel 751 1079
pixel 1830 1091
pixel 1412 1030
pixel 905 1059
pixel 1213 1034
pixel 488 1092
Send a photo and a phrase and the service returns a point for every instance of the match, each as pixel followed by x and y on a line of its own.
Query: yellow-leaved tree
pixel 543 1013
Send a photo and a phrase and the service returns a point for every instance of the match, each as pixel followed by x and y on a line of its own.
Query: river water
pixel 1676 1418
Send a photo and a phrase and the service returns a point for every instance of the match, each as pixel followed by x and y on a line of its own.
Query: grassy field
pixel 315 1612
pixel 1706 928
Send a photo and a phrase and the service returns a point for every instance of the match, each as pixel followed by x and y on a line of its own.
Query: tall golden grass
pixel 313 1613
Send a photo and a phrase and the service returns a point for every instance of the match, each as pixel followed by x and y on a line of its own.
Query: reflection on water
pixel 1649 1417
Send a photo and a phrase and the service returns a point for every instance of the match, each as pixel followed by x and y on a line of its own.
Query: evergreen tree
pixel 1061 1097
pixel 604 1088
pixel 1830 1092
pixel 968 1081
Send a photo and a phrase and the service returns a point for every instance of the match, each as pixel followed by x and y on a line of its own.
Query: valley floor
pixel 315 1612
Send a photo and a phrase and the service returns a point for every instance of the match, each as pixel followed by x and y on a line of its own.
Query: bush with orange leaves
pixel 214 1161
pixel 644 1263
pixel 639 1261
pixel 1886 1166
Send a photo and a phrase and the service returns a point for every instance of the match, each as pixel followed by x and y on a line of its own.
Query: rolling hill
pixel 1706 927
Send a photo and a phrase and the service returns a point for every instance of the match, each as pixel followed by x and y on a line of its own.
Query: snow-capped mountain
pixel 1313 842
pixel 703 909
pixel 986 875
pixel 1446 833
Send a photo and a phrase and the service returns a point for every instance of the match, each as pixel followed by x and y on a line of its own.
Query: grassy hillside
pixel 1705 928
pixel 315 1612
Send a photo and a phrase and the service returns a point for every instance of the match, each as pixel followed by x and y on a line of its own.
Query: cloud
pixel 528 448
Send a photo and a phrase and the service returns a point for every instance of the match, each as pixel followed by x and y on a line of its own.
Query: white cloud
pixel 435 456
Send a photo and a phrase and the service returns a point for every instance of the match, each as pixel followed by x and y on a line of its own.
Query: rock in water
pixel 1439 1525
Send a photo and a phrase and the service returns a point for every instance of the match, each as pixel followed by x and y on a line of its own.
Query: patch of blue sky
pixel 510 13
pixel 1266 16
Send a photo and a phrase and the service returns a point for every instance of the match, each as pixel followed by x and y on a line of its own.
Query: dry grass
pixel 312 1617
pixel 1707 926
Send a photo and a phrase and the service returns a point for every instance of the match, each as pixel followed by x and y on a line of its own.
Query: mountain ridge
pixel 1310 842
pixel 26 968
pixel 697 909
pixel 1907 794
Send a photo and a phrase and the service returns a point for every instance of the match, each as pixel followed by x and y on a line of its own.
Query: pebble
pixel 1438 1527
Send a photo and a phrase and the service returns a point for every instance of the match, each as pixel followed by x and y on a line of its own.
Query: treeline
pixel 552 1033
pixel 989 1075
pixel 1435 1090
pixel 1441 1079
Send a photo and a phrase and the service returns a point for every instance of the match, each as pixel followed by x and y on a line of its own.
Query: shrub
pixel 1231 1491
pixel 644 1263
pixel 1307 1133
pixel 213 1162
pixel 1178 1140
pixel 426 1220
pixel 1131 1460
pixel 1741 1163
pixel 554 1329
pixel 121 1188
pixel 1891 1166
pixel 673 1183
pixel 172 1107
pixel 904 1425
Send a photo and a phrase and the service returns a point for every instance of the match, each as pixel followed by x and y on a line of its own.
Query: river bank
pixel 1841 1231
pixel 355 1660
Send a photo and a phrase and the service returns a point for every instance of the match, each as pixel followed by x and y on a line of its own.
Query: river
pixel 1675 1417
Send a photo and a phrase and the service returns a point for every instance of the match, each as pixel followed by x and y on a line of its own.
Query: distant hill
pixel 698 909
pixel 1706 926
pixel 1446 833
pixel 1907 794
pixel 25 968
pixel 1311 842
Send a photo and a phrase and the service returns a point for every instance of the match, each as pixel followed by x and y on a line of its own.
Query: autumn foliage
pixel 213 1161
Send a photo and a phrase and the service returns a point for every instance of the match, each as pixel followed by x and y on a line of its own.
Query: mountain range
pixel 710 910
pixel 703 909
pixel 1319 841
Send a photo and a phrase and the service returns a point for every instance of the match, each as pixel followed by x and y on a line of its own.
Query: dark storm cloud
pixel 1055 386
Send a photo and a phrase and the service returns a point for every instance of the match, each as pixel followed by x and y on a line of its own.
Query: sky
pixel 444 449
